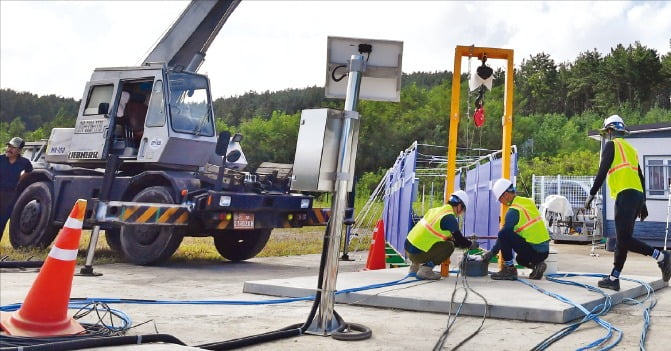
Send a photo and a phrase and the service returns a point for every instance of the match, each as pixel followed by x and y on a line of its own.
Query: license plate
pixel 243 220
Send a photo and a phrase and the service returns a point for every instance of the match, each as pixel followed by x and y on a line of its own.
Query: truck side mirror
pixel 222 143
pixel 103 108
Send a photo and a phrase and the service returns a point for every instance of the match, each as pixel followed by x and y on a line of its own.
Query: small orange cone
pixel 376 256
pixel 44 312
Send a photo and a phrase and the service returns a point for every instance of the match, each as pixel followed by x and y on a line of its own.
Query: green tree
pixel 584 74
pixel 570 163
pixel 273 140
pixel 536 83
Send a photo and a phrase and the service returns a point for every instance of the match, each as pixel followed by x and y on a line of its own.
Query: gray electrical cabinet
pixel 317 149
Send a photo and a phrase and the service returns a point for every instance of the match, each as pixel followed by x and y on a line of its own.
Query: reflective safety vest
pixel 623 172
pixel 427 232
pixel 530 226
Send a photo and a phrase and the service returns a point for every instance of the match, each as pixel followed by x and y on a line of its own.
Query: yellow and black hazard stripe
pixel 222 224
pixel 312 217
pixel 173 215
pixel 318 216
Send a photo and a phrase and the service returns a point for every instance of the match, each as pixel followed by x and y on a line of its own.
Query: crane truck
pixel 145 151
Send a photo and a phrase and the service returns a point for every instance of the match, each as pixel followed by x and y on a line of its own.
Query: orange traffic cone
pixel 376 256
pixel 44 312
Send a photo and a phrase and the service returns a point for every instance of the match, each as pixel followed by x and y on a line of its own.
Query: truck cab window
pixel 156 116
pixel 97 95
pixel 190 106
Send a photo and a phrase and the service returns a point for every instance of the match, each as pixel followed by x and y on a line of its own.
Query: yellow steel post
pixel 506 120
pixel 507 125
pixel 454 125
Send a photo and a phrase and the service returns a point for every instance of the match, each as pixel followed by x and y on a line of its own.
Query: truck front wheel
pixel 147 244
pixel 239 245
pixel 30 223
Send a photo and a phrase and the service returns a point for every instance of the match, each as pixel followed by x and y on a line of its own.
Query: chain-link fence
pixel 574 188
pixel 576 223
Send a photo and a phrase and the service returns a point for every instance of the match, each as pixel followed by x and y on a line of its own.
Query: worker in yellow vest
pixel 432 240
pixel 523 232
pixel 619 164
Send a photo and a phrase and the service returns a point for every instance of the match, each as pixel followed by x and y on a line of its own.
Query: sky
pixel 52 47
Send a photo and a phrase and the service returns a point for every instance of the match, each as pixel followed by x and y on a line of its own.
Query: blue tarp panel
pixel 397 213
pixel 482 218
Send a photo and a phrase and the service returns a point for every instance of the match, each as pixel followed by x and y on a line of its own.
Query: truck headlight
pixel 305 203
pixel 225 201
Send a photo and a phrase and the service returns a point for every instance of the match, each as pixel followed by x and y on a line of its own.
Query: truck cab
pixel 146 115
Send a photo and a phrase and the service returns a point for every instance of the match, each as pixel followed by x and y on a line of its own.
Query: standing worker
pixel 523 232
pixel 432 240
pixel 619 163
pixel 11 166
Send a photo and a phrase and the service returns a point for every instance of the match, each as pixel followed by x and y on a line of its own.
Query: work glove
pixel 588 202
pixel 487 256
pixel 644 212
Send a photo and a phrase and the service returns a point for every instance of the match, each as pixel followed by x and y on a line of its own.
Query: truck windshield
pixel 189 101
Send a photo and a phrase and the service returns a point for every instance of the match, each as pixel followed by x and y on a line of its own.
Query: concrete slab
pixel 502 299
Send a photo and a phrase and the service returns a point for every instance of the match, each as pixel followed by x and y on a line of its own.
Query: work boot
pixel 507 273
pixel 427 273
pixel 414 267
pixel 665 265
pixel 607 283
pixel 537 271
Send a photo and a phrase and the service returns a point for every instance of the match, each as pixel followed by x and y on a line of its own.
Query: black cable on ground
pixel 292 330
pixel 21 264
pixel 450 322
pixel 298 329
pixel 352 332
pixel 85 343
pixel 107 323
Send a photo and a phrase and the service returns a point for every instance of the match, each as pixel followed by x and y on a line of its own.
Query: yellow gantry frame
pixel 506 121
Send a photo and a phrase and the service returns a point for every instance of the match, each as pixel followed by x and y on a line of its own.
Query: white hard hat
pixel 615 123
pixel 461 196
pixel 612 119
pixel 500 187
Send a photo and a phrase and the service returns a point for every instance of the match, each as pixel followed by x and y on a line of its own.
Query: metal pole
pixel 668 212
pixel 111 168
pixel 88 265
pixel 349 221
pixel 533 189
pixel 325 321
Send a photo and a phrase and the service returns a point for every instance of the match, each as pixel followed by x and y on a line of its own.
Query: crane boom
pixel 186 42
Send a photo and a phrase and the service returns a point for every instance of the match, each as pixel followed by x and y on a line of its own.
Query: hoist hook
pixel 480 100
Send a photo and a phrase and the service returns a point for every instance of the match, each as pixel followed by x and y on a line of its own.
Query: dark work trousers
pixel 6 204
pixel 628 204
pixel 438 253
pixel 510 241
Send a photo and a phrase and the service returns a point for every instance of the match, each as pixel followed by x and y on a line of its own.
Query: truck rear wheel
pixel 31 223
pixel 239 245
pixel 146 244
